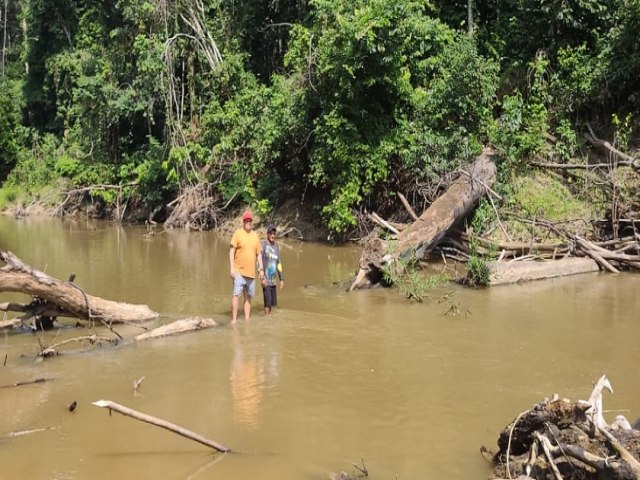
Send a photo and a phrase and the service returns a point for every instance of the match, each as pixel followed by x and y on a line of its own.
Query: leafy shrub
pixel 403 276
pixel 155 185
pixel 519 130
pixel 8 195
pixel 35 167
pixel 67 166
pixel 388 87
pixel 578 77
pixel 483 219
pixel 9 121
pixel 567 144
pixel 478 271
pixel 251 130
pixel 544 197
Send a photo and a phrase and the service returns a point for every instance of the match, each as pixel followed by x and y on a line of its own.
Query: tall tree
pixel 50 27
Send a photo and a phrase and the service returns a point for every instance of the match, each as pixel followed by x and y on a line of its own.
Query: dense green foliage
pixel 388 89
pixel 341 102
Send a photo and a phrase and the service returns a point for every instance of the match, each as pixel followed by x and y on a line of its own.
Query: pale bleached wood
pixel 513 272
pixel 179 326
pixel 158 422
pixel 10 323
pixel 91 339
pixel 419 238
pixel 374 217
pixel 66 298
pixel 407 206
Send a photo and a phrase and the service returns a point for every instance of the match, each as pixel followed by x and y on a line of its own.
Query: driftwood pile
pixel 572 254
pixel 417 240
pixel 438 231
pixel 564 440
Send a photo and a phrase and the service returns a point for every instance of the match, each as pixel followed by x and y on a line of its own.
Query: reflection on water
pixel 330 378
pixel 254 368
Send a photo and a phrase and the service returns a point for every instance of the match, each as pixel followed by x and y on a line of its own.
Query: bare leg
pixel 234 309
pixel 247 306
pixel 267 310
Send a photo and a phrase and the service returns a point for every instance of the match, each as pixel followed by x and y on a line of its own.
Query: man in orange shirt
pixel 245 250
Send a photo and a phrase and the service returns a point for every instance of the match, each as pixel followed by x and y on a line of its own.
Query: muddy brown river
pixel 331 378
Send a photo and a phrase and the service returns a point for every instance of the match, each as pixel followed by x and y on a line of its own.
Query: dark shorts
pixel 270 296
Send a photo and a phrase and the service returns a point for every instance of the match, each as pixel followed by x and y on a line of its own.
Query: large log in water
pixel 54 297
pixel 513 272
pixel 424 234
pixel 179 326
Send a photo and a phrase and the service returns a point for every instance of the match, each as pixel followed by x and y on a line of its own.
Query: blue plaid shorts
pixel 244 284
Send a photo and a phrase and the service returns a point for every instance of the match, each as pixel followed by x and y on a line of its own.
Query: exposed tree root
pixel 575 441
pixel 195 208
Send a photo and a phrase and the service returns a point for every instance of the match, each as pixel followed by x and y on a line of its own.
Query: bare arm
pixel 260 265
pixel 232 255
pixel 279 270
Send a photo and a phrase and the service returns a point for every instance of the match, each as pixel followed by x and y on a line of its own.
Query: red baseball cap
pixel 247 217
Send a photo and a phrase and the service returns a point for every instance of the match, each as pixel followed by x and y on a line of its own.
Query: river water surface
pixel 331 378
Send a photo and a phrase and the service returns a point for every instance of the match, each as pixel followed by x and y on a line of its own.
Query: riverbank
pixel 535 216
pixel 294 219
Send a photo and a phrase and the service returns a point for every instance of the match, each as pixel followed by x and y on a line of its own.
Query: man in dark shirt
pixel 272 268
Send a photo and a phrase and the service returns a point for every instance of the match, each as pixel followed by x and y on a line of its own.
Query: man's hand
pixel 281 284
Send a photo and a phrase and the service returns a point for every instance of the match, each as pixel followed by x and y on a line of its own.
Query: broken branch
pixel 28 382
pixel 92 339
pixel 143 417
pixel 407 206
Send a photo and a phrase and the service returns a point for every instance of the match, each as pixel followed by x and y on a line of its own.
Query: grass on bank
pixel 536 197
pixel 36 200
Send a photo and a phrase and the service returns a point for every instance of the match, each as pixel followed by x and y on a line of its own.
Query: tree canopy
pixel 343 102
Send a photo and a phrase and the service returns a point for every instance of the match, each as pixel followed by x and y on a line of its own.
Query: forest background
pixel 185 111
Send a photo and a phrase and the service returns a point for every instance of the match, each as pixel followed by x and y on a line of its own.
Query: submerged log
pixel 513 272
pixel 10 323
pixel 26 382
pixel 179 326
pixel 53 297
pixel 423 235
pixel 91 339
pixel 29 432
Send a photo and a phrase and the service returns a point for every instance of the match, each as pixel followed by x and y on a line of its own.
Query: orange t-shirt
pixel 248 247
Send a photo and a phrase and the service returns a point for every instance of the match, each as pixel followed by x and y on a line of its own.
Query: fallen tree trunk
pixel 423 235
pixel 53 297
pixel 179 326
pixel 513 272
pixel 583 255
